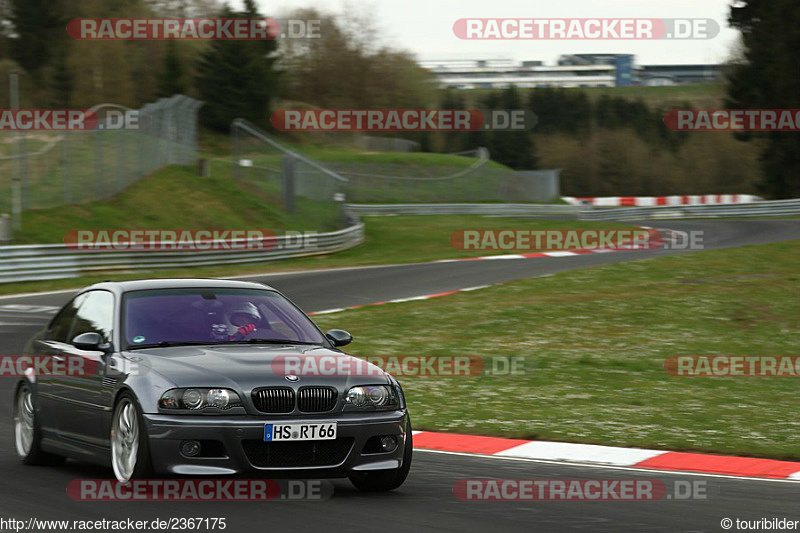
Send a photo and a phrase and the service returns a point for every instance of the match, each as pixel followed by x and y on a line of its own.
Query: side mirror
pixel 90 342
pixel 339 337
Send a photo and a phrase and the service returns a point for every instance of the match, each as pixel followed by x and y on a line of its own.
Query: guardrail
pixel 774 208
pixel 57 261
pixel 464 209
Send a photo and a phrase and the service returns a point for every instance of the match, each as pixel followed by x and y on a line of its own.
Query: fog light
pixel 190 448
pixel 389 443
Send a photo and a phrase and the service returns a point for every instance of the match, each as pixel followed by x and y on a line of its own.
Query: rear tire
pixel 27 433
pixel 386 480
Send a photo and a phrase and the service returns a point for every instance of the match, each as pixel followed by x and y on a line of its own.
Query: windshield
pixel 213 316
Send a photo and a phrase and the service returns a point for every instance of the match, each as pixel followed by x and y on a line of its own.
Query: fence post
pixel 26 177
pixel 6 232
pixel 235 150
pixel 144 130
pixel 16 185
pixel 203 168
pixel 99 163
pixel 122 182
pixel 289 164
pixel 339 198
pixel 65 168
pixel 170 131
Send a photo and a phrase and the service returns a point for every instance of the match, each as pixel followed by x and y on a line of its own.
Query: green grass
pixel 595 341
pixel 218 145
pixel 171 198
pixel 426 159
pixel 375 177
pixel 339 155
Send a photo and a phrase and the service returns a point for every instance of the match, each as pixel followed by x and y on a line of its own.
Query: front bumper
pixel 240 435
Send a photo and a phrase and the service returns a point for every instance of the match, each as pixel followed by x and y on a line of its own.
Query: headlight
pixel 197 399
pixel 381 397
pixel 219 398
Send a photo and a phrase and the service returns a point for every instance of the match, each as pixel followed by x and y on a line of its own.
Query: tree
pixel 170 79
pixel 62 83
pixel 513 148
pixel 454 141
pixel 768 77
pixel 561 110
pixel 38 27
pixel 236 78
pixel 348 68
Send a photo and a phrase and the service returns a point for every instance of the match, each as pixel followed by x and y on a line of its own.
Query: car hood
pixel 245 368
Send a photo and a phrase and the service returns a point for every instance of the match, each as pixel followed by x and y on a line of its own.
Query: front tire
pixel 27 433
pixel 386 480
pixel 130 450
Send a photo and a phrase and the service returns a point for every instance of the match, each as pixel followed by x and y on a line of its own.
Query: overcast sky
pixel 424 27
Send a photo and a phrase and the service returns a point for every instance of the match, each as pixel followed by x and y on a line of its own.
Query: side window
pixel 61 324
pixel 95 314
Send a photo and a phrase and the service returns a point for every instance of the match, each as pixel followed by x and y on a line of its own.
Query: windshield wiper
pixel 169 344
pixel 273 341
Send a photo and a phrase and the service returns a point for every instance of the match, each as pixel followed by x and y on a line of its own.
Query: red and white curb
pixel 560 253
pixel 400 300
pixel 608 456
pixel 648 201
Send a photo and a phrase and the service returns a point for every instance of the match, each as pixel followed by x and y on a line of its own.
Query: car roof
pixel 177 283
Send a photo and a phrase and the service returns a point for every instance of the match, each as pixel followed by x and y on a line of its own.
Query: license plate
pixel 284 432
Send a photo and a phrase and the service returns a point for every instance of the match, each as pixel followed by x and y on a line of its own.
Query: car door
pixel 84 404
pixel 53 343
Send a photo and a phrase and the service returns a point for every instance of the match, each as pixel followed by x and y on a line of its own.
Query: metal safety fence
pixel 58 261
pixel 285 178
pixel 774 208
pixel 40 170
pixel 463 177
pixel 263 163
pixel 465 209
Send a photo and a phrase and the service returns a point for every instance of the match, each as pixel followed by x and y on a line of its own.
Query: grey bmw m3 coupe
pixel 208 378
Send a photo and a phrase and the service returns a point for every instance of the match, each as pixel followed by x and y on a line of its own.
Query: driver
pixel 244 318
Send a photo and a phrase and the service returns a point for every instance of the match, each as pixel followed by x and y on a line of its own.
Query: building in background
pixel 679 74
pixel 571 71
pixel 622 63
